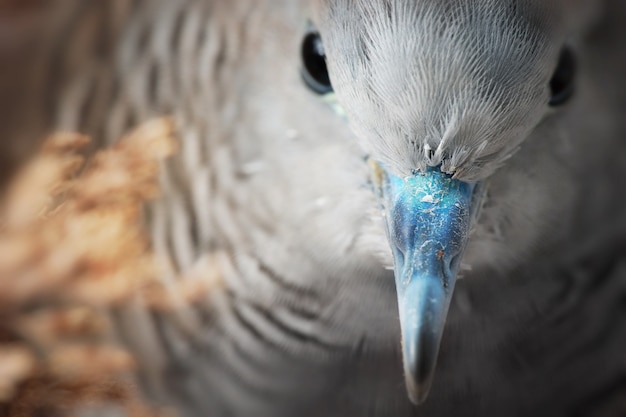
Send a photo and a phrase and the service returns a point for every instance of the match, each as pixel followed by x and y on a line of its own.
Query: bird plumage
pixel 462 91
pixel 273 188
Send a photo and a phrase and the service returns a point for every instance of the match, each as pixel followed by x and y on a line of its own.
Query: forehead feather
pixel 451 82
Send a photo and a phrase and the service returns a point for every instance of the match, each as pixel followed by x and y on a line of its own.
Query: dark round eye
pixel 314 71
pixel 562 82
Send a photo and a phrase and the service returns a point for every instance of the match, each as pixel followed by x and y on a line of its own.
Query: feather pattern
pixel 463 92
pixel 271 187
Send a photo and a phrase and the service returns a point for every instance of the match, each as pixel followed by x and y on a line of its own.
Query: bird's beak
pixel 428 217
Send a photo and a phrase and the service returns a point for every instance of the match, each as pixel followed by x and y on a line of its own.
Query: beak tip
pixel 417 391
pixel 419 371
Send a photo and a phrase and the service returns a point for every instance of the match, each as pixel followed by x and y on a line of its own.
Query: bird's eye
pixel 314 71
pixel 562 82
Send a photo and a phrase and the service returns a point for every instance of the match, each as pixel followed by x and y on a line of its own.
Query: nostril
pixel 398 255
pixel 450 268
pixel 402 230
pixel 455 261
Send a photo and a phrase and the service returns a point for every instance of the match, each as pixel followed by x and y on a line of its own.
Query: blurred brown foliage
pixel 72 245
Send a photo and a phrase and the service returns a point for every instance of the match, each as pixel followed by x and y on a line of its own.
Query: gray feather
pixel 271 187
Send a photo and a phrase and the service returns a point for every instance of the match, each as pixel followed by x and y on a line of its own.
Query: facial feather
pixel 453 83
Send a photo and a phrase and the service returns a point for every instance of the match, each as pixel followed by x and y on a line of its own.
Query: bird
pixel 414 205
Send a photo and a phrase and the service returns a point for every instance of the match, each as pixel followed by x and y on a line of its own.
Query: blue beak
pixel 429 216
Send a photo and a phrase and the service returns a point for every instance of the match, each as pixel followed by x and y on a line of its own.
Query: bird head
pixel 440 95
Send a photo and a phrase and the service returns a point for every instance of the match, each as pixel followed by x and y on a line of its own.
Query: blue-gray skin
pixel 428 218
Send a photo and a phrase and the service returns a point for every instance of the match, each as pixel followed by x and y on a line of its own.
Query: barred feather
pixel 271 186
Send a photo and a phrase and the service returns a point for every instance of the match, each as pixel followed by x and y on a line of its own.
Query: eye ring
pixel 562 83
pixel 314 71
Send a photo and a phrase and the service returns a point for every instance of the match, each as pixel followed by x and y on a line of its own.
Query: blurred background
pixel 71 239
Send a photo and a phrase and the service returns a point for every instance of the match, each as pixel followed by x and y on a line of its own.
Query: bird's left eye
pixel 314 71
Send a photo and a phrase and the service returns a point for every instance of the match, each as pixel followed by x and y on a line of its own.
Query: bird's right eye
pixel 314 71
pixel 562 82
